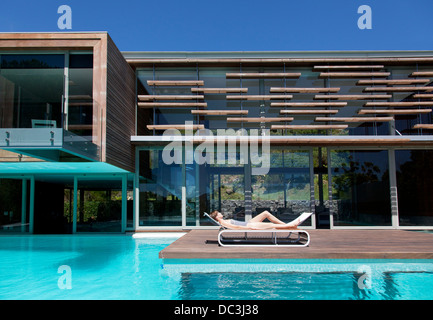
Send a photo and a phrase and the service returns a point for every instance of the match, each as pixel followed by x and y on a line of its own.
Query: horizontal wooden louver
pixel 308 104
pixel 219 90
pixel 170 97
pixel 393 82
pixel 259 97
pixel 353 74
pixel 263 75
pixel 395 111
pixel 175 126
pixel 308 112
pixel 309 126
pixel 355 119
pixel 422 74
pixel 399 104
pixel 172 104
pixel 219 112
pixel 352 67
pixel 397 89
pixel 303 90
pixel 353 96
pixel 170 83
pixel 260 119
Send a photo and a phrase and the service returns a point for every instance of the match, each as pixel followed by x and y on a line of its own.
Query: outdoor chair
pixel 260 238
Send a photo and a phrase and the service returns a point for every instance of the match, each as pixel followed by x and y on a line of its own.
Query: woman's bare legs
pixel 270 225
pixel 266 215
pixel 259 225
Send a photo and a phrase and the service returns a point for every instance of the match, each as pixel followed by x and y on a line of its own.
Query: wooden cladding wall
pixel 120 110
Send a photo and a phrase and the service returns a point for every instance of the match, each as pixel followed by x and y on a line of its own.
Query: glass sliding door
pixel 216 184
pixel 414 169
pixel 360 188
pixel 218 188
pixel 81 111
pixel 160 190
pixel 99 205
pixel 14 209
pixel 285 190
pixel 177 195
pixel 321 187
pixel 53 209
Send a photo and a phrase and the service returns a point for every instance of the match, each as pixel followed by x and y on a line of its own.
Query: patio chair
pixel 260 238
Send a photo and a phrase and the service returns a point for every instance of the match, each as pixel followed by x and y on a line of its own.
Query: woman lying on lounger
pixel 257 223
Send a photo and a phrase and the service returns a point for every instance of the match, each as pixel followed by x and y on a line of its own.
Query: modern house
pixel 97 140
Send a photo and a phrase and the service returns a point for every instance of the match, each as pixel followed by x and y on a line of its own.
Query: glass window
pixel 360 188
pixel 414 170
pixel 31 90
pixel 81 105
pixel 81 61
pixel 32 61
pixel 168 115
pixel 405 123
pixel 351 87
pixel 216 78
pixel 310 78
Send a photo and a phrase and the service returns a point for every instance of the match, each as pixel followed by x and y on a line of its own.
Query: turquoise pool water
pixel 121 267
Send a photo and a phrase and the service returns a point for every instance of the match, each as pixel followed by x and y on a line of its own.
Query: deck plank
pixel 325 244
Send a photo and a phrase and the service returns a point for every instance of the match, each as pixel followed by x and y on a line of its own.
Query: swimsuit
pixel 238 223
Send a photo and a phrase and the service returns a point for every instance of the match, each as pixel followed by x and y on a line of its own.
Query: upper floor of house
pixel 75 96
pixel 66 97
pixel 289 93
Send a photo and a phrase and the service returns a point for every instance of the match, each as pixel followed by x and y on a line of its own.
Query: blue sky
pixel 235 25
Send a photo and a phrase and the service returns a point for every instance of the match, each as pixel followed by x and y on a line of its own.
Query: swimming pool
pixel 123 267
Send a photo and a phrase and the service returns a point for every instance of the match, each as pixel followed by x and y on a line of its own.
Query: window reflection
pixel 160 191
pixel 81 105
pixel 32 91
pixel 360 188
pixel 285 190
pixel 414 170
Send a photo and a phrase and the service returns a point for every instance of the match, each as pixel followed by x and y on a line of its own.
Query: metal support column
pixel 393 188
pixel 23 205
pixel 65 110
pixel 331 210
pixel 74 215
pixel 248 190
pixel 183 200
pixel 32 204
pixel 124 201
pixel 312 196
pixel 137 189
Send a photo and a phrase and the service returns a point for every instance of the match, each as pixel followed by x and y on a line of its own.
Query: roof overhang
pixel 317 141
pixel 307 58
pixel 58 168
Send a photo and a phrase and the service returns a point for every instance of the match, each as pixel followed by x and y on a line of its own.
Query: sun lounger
pixel 260 238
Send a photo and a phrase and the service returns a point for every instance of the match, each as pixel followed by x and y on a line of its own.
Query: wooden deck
pixel 325 244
